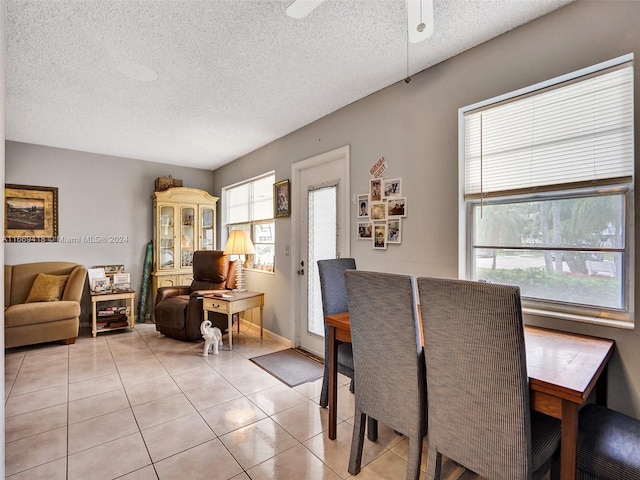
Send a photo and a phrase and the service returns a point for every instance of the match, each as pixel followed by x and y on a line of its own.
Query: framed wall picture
pixel 380 235
pixel 378 210
pixel 396 207
pixel 31 213
pixel 281 199
pixel 375 189
pixel 363 205
pixel 364 231
pixel 392 187
pixel 394 230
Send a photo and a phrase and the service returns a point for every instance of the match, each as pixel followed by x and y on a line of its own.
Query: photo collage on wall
pixel 380 212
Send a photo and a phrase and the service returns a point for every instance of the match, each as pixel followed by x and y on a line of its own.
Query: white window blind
pixel 574 132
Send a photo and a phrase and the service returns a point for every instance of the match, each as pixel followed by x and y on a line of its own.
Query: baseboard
pixel 254 330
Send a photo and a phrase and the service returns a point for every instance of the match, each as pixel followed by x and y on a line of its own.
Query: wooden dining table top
pixel 563 364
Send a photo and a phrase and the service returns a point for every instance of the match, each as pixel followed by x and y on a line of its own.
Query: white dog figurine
pixel 212 337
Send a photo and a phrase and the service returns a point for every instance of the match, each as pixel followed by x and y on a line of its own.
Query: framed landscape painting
pixel 31 214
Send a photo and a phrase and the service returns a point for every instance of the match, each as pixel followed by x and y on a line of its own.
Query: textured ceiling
pixel 201 83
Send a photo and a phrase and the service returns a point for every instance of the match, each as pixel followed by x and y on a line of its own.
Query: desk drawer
pixel 215 305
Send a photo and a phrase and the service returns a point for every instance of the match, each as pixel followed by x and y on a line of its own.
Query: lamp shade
pixel 239 243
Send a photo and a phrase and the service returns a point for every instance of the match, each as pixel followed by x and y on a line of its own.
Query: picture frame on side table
pixel 31 214
pixel 281 199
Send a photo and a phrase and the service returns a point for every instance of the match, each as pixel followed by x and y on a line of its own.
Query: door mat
pixel 290 366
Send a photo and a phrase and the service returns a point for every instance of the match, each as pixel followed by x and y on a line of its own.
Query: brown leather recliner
pixel 178 310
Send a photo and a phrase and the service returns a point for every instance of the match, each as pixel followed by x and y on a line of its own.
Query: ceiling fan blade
pixel 419 19
pixel 302 8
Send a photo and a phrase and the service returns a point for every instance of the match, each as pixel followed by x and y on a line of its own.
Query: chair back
pixel 332 284
pixel 210 270
pixel 388 360
pixel 476 376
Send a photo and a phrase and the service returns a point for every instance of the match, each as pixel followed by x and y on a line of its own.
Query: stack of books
pixel 112 317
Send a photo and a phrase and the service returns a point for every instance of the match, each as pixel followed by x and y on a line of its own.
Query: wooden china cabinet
pixel 184 220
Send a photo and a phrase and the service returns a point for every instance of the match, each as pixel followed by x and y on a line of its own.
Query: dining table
pixel 564 370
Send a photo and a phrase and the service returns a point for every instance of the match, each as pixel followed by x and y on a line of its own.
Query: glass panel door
pixel 166 237
pixel 187 215
pixel 206 216
pixel 323 212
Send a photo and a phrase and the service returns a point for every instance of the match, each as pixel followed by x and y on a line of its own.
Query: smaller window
pixel 248 206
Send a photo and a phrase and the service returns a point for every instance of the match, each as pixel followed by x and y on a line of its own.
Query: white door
pixel 321 229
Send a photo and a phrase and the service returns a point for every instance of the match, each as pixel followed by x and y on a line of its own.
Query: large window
pixel 249 206
pixel 548 197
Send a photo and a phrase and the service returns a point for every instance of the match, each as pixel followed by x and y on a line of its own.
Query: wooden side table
pixel 129 296
pixel 233 302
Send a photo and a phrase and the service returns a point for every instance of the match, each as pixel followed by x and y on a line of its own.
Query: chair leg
pixel 415 457
pixel 434 464
pixel 357 442
pixel 372 429
pixel 324 393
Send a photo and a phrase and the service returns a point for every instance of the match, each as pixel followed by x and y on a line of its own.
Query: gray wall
pixel 98 195
pixel 415 127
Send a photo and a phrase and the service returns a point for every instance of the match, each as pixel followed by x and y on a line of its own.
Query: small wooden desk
pixel 236 302
pixel 128 295
pixel 564 368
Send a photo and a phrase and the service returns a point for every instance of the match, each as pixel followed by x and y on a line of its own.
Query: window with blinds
pixel 547 193
pixel 249 206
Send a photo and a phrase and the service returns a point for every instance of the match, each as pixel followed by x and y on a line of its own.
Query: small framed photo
pixel 380 236
pixel 100 285
pixel 375 189
pixel 397 207
pixel 378 210
pixel 281 199
pixel 392 188
pixel 119 278
pixel 365 231
pixel 394 230
pixel 363 205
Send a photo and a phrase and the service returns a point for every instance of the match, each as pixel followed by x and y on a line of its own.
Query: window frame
pixel 623 318
pixel 250 223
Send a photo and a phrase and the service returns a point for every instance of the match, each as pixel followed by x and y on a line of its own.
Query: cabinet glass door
pixel 206 229
pixel 167 236
pixel 187 217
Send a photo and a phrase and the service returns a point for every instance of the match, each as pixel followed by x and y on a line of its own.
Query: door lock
pixel 301 270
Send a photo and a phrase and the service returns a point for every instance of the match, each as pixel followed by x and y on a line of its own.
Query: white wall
pixel 98 195
pixel 414 126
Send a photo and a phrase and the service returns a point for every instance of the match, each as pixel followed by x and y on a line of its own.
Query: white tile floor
pixel 138 405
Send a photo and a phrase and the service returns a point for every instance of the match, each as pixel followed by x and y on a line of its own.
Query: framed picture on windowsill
pixel 281 199
pixel 31 214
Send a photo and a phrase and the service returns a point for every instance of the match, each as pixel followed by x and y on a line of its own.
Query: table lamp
pixel 239 243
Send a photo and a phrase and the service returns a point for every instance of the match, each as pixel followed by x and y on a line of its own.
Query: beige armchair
pixel 36 315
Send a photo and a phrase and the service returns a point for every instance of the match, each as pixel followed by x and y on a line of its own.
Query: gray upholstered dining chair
pixel 479 411
pixel 389 368
pixel 334 300
pixel 608 445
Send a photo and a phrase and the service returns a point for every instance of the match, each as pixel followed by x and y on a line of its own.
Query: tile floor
pixel 138 405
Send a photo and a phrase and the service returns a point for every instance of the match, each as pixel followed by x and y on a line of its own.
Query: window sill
pixel 593 320
pixel 256 270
